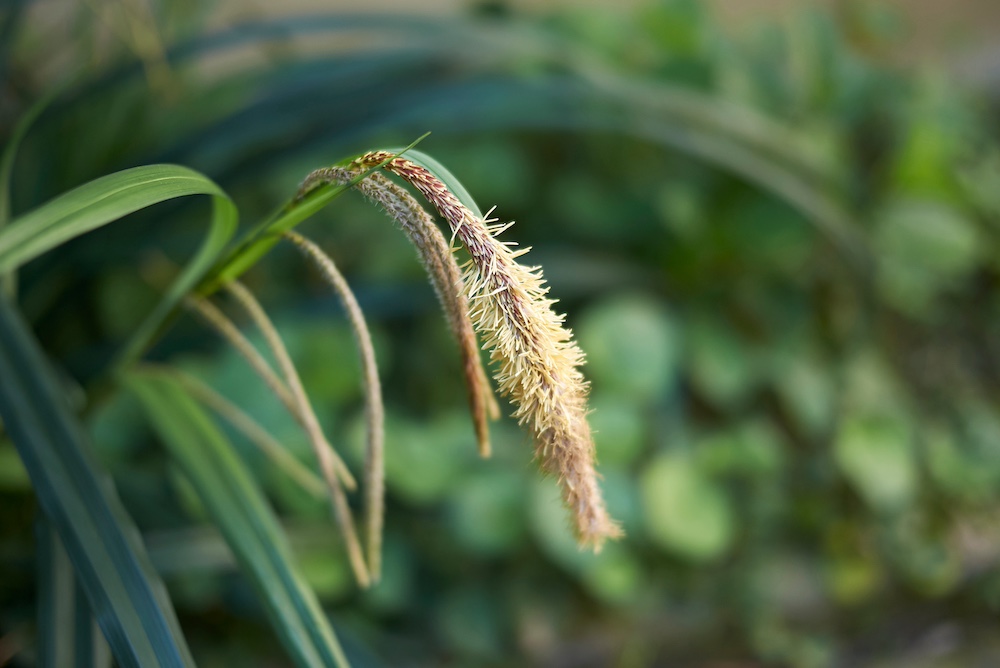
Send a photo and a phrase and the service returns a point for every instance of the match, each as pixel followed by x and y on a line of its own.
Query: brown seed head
pixel 537 361
pixel 445 275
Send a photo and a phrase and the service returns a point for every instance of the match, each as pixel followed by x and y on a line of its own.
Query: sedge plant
pixel 493 298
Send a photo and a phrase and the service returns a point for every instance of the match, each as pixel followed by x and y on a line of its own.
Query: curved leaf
pixel 95 204
pixel 8 280
pixel 737 137
pixel 107 199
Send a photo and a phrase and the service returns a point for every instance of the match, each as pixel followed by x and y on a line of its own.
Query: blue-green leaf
pixel 127 597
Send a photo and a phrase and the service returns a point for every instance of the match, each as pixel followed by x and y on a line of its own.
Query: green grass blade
pixel 102 543
pixel 261 241
pixel 107 199
pixel 8 279
pixel 95 204
pixel 68 635
pixel 223 226
pixel 56 601
pixel 242 514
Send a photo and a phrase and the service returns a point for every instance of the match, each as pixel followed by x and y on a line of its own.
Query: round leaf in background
pixel 753 449
pixel 550 525
pixel 633 346
pixel 328 573
pixel 926 246
pixel 685 512
pixel 486 510
pixel 619 428
pixel 615 577
pixel 805 387
pixel 721 367
pixel 875 453
pixel 424 461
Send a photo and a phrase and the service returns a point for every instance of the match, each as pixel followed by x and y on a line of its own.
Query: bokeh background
pixel 774 226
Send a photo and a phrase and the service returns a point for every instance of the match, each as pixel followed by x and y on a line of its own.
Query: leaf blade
pixel 128 598
pixel 260 240
pixel 106 199
pixel 68 633
pixel 94 204
pixel 8 279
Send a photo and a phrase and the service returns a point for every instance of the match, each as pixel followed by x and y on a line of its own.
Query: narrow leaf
pixel 127 597
pixel 95 204
pixel 68 634
pixel 107 199
pixel 56 604
pixel 8 279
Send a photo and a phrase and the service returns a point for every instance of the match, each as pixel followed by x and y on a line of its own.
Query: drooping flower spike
pixel 537 361
pixel 435 254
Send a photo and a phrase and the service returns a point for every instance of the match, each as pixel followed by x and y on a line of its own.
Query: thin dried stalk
pixel 435 255
pixel 538 361
pixel 218 321
pixel 255 433
pixel 374 411
pixel 324 453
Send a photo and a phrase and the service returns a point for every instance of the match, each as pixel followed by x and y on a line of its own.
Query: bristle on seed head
pixel 536 360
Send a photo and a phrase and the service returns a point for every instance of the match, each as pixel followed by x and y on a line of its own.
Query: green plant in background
pixel 774 249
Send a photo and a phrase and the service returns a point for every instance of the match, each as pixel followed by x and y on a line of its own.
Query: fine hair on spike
pixel 374 410
pixel 537 361
pixel 435 254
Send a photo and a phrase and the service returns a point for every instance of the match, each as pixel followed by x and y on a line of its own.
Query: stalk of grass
pixel 325 454
pixel 242 514
pixel 256 434
pixel 374 410
pixel 225 328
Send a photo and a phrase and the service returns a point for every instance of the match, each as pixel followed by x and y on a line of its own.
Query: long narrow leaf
pixel 111 564
pixel 68 634
pixel 95 204
pixel 107 199
pixel 242 514
pixel 57 626
pixel 8 280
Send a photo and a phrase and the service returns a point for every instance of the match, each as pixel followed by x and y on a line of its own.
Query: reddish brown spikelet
pixel 445 275
pixel 536 358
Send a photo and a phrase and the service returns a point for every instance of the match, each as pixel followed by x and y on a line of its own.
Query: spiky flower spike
pixel 538 362
pixel 437 259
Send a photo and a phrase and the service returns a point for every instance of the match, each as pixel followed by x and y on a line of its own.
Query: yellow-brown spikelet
pixel 435 255
pixel 537 360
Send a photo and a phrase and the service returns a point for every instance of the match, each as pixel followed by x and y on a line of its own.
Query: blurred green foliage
pixel 800 437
